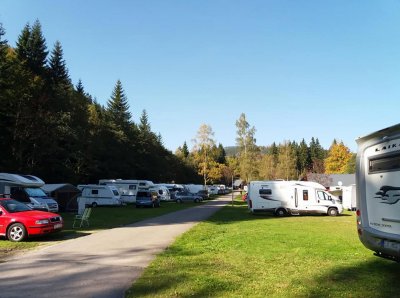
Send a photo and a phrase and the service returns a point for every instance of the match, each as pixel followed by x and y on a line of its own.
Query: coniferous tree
pixel 57 66
pixel 118 109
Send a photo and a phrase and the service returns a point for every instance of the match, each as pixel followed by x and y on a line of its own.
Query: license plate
pixel 391 245
pixel 57 226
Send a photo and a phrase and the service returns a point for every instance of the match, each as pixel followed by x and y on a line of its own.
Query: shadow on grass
pixel 373 278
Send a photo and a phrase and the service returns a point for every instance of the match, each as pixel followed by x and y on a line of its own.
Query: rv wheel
pixel 280 212
pixel 332 212
pixel 94 204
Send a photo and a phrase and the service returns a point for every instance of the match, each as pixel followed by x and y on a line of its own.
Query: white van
pixel 162 192
pixel 291 197
pixel 128 188
pixel 99 195
pixel 378 191
pixel 26 189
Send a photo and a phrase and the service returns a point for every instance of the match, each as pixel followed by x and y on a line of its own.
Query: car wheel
pixel 196 200
pixel 179 201
pixel 94 204
pixel 332 212
pixel 16 232
pixel 280 212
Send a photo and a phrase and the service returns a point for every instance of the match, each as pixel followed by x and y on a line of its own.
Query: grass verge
pixel 237 254
pixel 101 218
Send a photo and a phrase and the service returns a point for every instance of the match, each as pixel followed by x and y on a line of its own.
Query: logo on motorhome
pixel 388 194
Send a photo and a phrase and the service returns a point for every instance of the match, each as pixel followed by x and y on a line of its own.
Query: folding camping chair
pixel 83 218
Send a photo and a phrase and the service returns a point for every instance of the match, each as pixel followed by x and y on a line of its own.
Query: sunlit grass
pixel 237 254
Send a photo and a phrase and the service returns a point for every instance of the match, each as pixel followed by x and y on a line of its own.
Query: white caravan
pixel 98 195
pixel 194 188
pixel 349 197
pixel 378 191
pixel 128 188
pixel 291 197
pixel 26 189
pixel 162 192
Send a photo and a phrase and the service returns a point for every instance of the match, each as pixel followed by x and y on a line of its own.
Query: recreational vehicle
pixel 162 192
pixel 291 197
pixel 98 195
pixel 27 189
pixel 128 188
pixel 349 197
pixel 378 191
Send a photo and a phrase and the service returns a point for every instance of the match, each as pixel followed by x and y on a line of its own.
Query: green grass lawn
pixel 238 254
pixel 101 218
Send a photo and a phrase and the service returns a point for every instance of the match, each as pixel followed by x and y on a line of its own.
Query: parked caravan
pixel 27 189
pixel 162 192
pixel 349 197
pixel 378 191
pixel 291 197
pixel 173 189
pixel 128 188
pixel 98 195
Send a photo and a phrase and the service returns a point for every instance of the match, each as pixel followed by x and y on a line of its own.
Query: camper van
pixel 128 188
pixel 291 197
pixel 27 189
pixel 99 195
pixel 378 191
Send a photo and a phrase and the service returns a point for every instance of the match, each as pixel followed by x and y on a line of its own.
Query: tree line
pixel 57 131
pixel 288 160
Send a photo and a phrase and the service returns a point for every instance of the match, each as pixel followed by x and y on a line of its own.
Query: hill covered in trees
pixel 55 130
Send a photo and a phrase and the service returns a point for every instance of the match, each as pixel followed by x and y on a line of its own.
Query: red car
pixel 18 221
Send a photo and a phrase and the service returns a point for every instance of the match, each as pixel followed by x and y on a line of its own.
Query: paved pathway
pixel 101 265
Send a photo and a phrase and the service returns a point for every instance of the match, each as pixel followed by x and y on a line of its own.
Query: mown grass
pixel 237 254
pixel 101 218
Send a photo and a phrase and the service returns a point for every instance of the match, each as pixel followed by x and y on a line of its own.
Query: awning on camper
pixel 65 194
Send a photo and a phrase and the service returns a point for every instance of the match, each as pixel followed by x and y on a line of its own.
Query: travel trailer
pixel 291 197
pixel 378 191
pixel 128 188
pixel 349 197
pixel 27 189
pixel 162 192
pixel 98 195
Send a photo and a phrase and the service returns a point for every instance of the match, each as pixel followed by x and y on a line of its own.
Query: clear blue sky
pixel 297 69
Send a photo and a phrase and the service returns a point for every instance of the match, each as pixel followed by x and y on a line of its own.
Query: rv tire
pixel 332 212
pixel 281 212
pixel 94 204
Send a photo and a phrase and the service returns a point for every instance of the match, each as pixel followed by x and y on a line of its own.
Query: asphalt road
pixel 103 264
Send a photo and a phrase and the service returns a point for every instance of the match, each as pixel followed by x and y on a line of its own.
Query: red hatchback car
pixel 18 221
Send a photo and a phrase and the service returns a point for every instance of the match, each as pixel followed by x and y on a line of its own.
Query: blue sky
pixel 297 69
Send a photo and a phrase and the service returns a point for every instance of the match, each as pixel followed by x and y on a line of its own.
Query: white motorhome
pixel 349 197
pixel 378 191
pixel 27 189
pixel 194 188
pixel 128 188
pixel 291 197
pixel 98 195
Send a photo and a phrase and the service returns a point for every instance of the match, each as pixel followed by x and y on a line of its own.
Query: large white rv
pixel 378 191
pixel 128 188
pixel 291 197
pixel 27 189
pixel 349 197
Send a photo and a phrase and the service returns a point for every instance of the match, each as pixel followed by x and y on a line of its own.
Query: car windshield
pixel 35 192
pixel 13 206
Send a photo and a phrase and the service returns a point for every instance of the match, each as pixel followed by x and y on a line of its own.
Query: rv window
pixel 115 192
pixel 95 191
pixel 265 191
pixel 384 163
pixel 142 184
pixel 322 195
pixel 132 187
pixel 305 195
pixel 160 191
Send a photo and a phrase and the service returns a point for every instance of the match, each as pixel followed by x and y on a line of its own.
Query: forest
pixel 55 130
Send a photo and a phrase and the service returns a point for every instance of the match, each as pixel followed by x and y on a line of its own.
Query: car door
pixel 3 221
